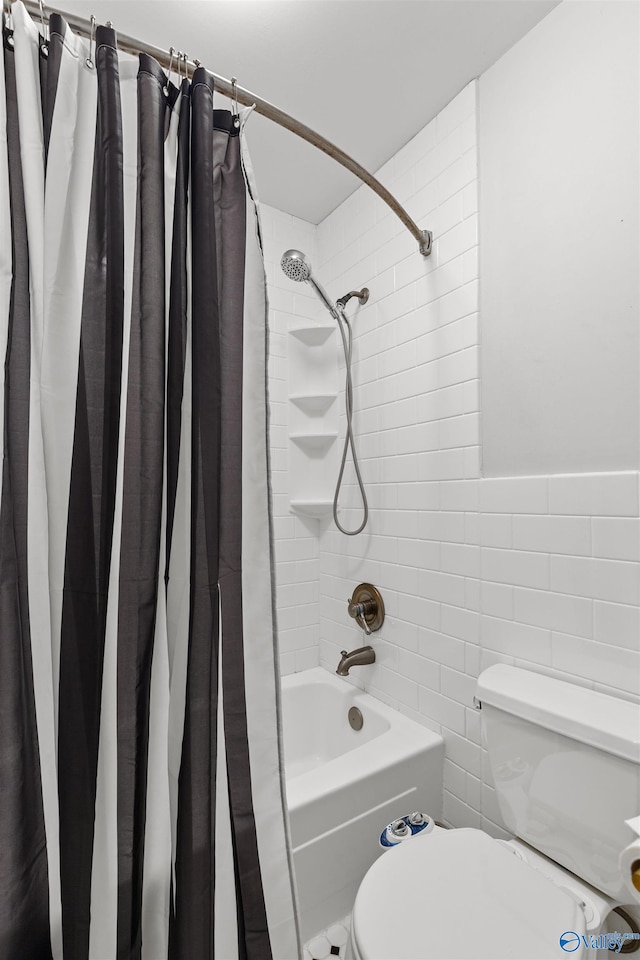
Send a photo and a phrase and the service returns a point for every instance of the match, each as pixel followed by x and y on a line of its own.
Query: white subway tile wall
pixel 541 572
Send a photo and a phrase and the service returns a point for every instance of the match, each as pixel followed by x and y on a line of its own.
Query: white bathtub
pixel 344 786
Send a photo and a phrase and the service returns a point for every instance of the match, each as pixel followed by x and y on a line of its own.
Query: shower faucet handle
pixel 366 607
pixel 358 611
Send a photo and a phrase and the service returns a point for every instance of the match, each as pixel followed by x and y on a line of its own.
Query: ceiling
pixel 366 74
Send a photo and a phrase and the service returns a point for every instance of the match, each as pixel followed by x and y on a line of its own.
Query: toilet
pixel 565 761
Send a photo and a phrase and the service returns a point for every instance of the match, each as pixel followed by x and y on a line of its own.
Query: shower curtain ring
pixel 165 89
pixel 89 61
pixel 44 43
pixel 185 60
pixel 234 90
pixel 8 24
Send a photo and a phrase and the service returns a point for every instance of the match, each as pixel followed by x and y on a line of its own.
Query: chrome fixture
pixel 361 295
pixel 296 266
pixel 366 606
pixel 357 658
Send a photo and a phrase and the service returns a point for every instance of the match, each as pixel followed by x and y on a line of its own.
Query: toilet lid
pixel 459 893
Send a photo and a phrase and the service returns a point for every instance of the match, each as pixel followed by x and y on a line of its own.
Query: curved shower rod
pixel 263 107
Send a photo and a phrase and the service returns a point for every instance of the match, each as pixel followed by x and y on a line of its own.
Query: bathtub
pixel 344 786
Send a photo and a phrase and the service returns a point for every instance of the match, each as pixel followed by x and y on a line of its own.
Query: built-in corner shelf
pixel 313 335
pixel 312 508
pixel 312 417
pixel 313 441
pixel 312 403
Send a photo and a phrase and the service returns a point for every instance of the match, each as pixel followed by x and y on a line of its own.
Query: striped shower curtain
pixel 142 811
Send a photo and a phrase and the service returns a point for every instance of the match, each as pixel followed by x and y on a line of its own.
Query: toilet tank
pixel 565 762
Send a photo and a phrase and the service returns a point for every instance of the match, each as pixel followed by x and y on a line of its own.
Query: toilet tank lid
pixel 588 716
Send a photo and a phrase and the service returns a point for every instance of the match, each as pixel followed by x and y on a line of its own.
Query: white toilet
pixel 565 762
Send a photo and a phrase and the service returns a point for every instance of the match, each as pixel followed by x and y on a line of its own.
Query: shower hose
pixel 347 343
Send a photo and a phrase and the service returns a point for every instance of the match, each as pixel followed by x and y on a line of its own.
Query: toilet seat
pixel 460 893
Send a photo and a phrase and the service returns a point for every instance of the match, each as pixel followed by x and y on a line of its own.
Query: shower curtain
pixel 141 799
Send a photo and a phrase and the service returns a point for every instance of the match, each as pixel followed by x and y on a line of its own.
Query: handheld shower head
pixel 295 265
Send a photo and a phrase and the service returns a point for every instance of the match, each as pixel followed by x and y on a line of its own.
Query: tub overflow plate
pixel 355 718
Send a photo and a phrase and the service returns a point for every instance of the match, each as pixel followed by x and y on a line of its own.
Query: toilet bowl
pixel 565 766
pixel 461 893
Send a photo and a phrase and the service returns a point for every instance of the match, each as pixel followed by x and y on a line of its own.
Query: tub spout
pixel 357 658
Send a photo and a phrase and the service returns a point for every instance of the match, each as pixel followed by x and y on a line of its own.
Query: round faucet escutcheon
pixel 366 607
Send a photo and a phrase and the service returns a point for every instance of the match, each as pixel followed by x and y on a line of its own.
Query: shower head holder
pixel 361 295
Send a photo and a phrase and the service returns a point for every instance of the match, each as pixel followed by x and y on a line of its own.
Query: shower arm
pixel 263 107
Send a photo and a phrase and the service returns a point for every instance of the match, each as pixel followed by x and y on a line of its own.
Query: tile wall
pixel 540 571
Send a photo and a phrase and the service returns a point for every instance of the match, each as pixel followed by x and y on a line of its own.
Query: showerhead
pixel 295 265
